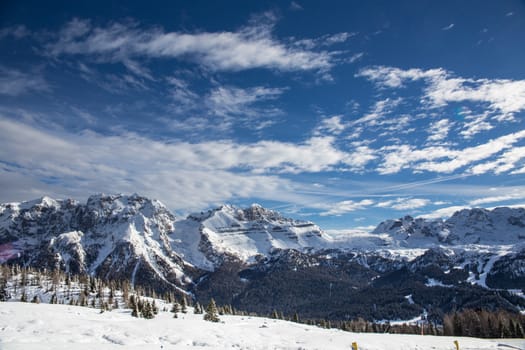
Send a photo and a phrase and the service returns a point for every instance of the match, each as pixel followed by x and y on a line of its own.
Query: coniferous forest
pixel 27 284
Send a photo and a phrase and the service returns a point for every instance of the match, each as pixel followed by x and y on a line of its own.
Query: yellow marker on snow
pixel 354 346
pixel 456 343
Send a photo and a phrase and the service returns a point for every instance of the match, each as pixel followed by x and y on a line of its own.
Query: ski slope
pixel 26 326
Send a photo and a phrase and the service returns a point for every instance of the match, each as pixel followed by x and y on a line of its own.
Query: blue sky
pixel 345 113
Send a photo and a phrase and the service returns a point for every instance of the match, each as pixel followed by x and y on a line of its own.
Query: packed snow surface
pixel 44 326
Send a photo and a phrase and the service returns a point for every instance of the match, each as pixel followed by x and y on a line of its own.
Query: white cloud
pixel 506 96
pixel 331 125
pixel 499 198
pixel 380 109
pixel 17 32
pixel 404 203
pixel 507 161
pixel 503 95
pixel 449 27
pixel 391 77
pixel 234 101
pixel 443 212
pixel 14 82
pixel 475 125
pixel 249 47
pixel 295 6
pixel 347 206
pixel 184 175
pixel 439 130
pixel 360 157
pixel 442 159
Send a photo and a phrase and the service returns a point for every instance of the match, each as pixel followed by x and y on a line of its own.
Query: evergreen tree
pixel 135 312
pixel 211 312
pixel 36 300
pixel 295 317
pixel 147 311
pixel 23 298
pixel 275 315
pixel 183 305
pixel 197 309
pixel 175 308
pixel 154 308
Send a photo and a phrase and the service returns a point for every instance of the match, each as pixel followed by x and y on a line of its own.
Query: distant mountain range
pixel 258 260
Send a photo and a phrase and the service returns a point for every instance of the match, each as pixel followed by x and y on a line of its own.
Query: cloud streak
pixel 14 82
pixel 252 46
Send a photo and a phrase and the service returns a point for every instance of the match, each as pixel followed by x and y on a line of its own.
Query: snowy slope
pixel 43 326
pixel 243 233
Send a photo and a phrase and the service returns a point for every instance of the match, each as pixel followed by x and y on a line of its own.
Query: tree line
pixel 106 295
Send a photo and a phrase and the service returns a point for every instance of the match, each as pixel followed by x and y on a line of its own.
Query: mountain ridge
pixel 256 258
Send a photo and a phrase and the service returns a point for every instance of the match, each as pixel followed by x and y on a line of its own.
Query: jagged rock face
pixel 244 234
pixel 112 236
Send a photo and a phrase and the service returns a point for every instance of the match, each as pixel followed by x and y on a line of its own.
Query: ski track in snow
pixel 43 326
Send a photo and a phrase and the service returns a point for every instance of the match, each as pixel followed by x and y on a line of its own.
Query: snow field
pixel 26 326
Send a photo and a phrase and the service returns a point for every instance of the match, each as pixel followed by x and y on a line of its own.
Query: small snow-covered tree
pixel 135 312
pixel 197 309
pixel 183 305
pixel 147 311
pixel 211 312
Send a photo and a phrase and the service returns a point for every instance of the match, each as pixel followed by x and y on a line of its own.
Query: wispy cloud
pixel 252 46
pixel 475 124
pixel 196 173
pixel 449 27
pixel 502 95
pixel 443 212
pixel 14 82
pixel 233 101
pixel 295 6
pixel 347 206
pixel 514 195
pixel 504 163
pixel 404 203
pixel 392 77
pixel 331 125
pixel 443 159
pixel 223 106
pixel 439 130
pixel 17 32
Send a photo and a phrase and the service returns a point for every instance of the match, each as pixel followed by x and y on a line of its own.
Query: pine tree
pixel 183 305
pixel 147 311
pixel 23 298
pixel 154 308
pixel 197 309
pixel 275 315
pixel 135 312
pixel 211 312
pixel 295 317
pixel 175 308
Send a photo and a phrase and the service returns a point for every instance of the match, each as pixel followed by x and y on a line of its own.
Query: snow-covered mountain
pixel 467 226
pixel 257 259
pixel 112 236
pixel 205 239
pixel 118 236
